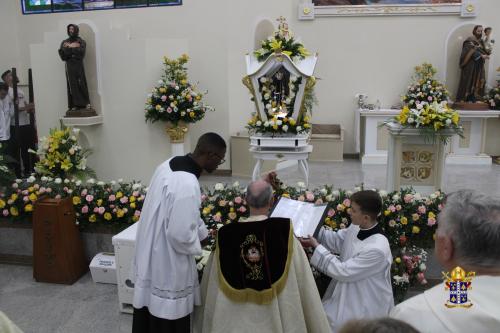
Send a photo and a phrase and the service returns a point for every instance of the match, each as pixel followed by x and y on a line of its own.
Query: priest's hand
pixel 310 241
pixel 272 179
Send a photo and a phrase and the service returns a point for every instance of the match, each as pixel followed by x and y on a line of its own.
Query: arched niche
pixel 263 29
pixel 453 49
pixel 91 62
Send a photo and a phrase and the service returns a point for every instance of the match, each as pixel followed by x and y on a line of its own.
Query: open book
pixel 305 216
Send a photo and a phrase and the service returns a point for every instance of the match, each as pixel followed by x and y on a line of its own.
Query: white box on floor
pixel 124 244
pixel 103 268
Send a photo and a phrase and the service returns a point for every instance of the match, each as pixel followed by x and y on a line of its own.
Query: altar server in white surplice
pixel 468 236
pixel 168 239
pixel 259 279
pixel 361 285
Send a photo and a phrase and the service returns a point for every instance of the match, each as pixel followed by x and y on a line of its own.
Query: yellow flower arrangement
pixel 61 155
pixel 175 99
pixel 430 118
pixel 282 41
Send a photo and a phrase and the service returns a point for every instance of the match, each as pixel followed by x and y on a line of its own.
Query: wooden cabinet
pixel 58 255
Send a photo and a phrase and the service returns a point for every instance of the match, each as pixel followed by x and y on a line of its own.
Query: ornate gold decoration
pixel 247 82
pixel 366 10
pixel 311 81
pixel 176 132
pixel 470 8
pixel 458 285
pixel 388 10
pixel 252 254
pixel 306 11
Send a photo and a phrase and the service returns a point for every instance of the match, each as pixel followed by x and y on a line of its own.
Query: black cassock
pixel 78 93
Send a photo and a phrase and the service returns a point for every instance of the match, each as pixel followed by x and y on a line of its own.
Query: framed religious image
pixel 130 3
pixel 51 6
pixel 98 4
pixel 385 7
pixel 165 2
pixel 36 6
pixel 67 5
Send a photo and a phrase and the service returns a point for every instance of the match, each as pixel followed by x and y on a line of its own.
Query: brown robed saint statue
pixel 474 54
pixel 72 51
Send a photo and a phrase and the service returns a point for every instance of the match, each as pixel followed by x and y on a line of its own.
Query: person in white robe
pixel 27 136
pixel 7 326
pixel 259 278
pixel 468 236
pixel 6 113
pixel 361 274
pixel 168 238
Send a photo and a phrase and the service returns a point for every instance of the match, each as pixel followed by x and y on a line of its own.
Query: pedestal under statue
pixel 72 52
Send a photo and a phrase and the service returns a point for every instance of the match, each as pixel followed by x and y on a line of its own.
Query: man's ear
pixel 445 249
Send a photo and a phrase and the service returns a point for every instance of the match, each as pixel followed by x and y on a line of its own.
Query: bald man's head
pixel 259 194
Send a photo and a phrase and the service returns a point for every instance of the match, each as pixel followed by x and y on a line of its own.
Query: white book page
pixel 305 216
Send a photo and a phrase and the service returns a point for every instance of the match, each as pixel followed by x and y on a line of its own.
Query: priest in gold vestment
pixel 259 279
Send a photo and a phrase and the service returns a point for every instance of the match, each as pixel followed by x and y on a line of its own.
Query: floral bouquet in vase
pixel 425 89
pixel 62 156
pixel 407 270
pixel 430 119
pixel 6 175
pixel 493 97
pixel 175 100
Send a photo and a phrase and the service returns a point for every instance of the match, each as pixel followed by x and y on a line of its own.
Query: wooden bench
pixel 328 143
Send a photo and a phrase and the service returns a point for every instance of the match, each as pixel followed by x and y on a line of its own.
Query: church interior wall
pixel 372 55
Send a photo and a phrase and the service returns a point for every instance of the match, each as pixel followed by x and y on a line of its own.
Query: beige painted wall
pixel 9 49
pixel 374 55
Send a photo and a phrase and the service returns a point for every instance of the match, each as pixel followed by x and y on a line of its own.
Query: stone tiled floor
pixel 90 307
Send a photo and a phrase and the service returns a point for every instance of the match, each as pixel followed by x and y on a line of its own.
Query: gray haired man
pixel 468 237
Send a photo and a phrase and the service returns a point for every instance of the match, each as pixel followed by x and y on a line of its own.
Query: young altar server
pixel 259 279
pixel 168 239
pixel 361 286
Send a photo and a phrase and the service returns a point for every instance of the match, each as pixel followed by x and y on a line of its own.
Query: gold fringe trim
pixel 250 295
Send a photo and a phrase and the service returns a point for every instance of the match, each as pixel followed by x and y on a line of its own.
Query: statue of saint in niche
pixel 72 52
pixel 474 54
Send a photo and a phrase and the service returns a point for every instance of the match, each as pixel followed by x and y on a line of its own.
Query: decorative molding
pixel 82 121
pixel 387 10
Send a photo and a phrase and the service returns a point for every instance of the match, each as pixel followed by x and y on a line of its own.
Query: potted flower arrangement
pixel 282 41
pixel 408 269
pixel 6 174
pixel 61 156
pixel 493 97
pixel 425 89
pixel 175 100
pixel 430 120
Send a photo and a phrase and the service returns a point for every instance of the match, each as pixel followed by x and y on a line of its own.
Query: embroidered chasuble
pixel 254 259
pixel 259 280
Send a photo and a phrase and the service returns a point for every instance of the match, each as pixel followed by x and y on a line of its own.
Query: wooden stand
pixel 58 255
